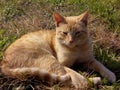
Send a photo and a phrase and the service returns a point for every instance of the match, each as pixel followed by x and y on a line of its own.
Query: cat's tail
pixel 23 73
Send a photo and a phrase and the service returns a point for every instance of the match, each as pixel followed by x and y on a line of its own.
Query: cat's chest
pixel 68 58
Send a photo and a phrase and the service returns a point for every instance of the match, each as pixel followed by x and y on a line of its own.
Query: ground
pixel 18 17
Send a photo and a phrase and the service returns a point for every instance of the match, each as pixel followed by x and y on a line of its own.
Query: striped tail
pixel 23 73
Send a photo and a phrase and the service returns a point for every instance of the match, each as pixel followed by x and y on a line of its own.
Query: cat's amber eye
pixel 65 33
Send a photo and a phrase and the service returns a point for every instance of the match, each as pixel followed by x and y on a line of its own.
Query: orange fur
pixel 80 49
pixel 49 50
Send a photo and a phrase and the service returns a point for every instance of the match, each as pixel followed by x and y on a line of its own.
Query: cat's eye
pixel 65 33
pixel 77 33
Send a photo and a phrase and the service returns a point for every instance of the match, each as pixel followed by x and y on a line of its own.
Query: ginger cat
pixel 73 44
pixel 46 53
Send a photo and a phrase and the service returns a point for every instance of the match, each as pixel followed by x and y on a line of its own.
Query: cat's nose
pixel 71 41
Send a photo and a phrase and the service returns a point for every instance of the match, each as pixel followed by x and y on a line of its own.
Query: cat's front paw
pixel 95 80
pixel 66 78
pixel 110 76
pixel 80 83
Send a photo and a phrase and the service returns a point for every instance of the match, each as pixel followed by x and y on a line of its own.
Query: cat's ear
pixel 84 17
pixel 58 19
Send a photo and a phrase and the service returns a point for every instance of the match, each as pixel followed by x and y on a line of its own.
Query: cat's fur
pixel 75 45
pixel 43 53
pixel 34 55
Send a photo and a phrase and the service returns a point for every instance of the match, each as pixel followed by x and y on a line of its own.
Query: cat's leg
pixel 49 63
pixel 78 81
pixel 46 67
pixel 97 66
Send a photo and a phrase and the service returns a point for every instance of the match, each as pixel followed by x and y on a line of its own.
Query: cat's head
pixel 71 31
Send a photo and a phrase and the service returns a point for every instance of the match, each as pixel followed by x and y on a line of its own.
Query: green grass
pixel 107 10
pixel 18 17
pixel 5 41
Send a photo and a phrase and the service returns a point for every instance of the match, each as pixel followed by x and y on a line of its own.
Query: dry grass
pixel 39 16
pixel 105 38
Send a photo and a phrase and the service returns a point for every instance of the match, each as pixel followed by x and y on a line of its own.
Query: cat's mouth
pixel 70 45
